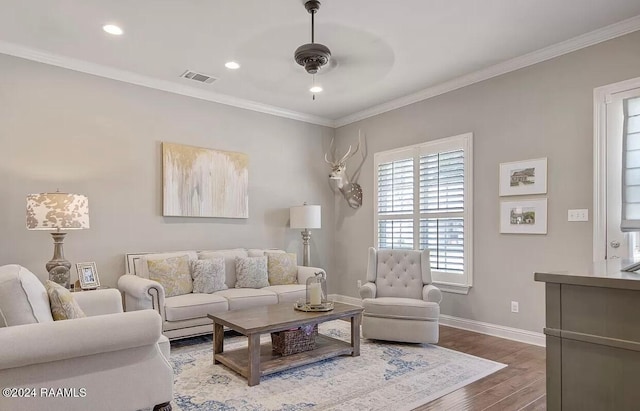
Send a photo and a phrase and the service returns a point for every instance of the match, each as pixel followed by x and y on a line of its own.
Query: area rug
pixel 386 376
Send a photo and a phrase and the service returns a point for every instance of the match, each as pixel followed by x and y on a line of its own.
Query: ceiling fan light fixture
pixel 315 89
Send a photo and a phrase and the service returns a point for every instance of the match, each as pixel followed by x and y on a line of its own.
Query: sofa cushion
pixel 229 262
pixel 251 272
pixel 282 268
pixel 208 275
pixel 289 293
pixel 23 298
pixel 63 305
pixel 197 305
pixel 141 268
pixel 405 308
pixel 173 273
pixel 259 252
pixel 248 297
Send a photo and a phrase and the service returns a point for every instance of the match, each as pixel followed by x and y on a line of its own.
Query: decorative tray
pixel 328 306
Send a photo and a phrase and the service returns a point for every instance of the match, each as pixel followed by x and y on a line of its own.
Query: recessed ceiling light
pixel 232 65
pixel 315 89
pixel 112 29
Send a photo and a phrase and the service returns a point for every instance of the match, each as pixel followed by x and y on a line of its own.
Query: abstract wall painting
pixel 200 182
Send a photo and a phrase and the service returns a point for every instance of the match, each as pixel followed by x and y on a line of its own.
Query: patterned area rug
pixel 386 376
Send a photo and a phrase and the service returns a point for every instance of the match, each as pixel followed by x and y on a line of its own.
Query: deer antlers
pixel 344 158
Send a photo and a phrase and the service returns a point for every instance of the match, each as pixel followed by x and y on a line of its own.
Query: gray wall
pixel 99 137
pixel 541 111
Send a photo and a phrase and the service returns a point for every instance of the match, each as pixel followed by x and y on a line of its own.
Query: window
pixel 631 165
pixel 616 215
pixel 424 200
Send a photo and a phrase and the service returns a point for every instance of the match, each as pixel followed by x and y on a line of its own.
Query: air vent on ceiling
pixel 202 78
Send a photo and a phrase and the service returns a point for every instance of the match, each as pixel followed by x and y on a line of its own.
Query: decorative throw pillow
pixel 63 305
pixel 173 273
pixel 208 275
pixel 251 272
pixel 282 268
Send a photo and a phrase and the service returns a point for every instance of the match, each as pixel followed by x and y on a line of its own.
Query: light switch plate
pixel 579 215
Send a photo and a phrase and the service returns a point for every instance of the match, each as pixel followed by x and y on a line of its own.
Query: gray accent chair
pixel 400 303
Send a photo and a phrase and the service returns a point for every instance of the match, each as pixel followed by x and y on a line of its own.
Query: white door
pixel 618 244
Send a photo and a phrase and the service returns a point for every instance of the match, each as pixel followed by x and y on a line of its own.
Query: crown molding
pixel 585 40
pixel 164 85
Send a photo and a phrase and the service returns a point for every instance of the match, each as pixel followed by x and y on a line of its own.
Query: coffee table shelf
pixel 271 362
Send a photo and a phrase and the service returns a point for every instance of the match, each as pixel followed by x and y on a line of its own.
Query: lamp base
pixel 58 267
pixel 306 255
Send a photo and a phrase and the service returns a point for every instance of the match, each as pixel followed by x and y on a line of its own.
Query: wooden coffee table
pixel 258 360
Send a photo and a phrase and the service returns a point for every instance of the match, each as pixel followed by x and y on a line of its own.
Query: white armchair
pixel 400 303
pixel 109 360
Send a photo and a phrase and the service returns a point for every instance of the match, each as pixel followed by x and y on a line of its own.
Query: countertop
pixel 601 274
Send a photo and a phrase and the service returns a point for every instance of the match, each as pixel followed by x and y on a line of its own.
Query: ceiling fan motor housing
pixel 312 56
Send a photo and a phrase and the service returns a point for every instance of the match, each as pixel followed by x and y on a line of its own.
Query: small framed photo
pixel 523 177
pixel 88 275
pixel 523 217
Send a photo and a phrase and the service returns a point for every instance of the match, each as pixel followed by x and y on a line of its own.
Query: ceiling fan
pixel 312 56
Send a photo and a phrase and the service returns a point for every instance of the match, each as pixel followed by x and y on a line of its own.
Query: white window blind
pixel 442 191
pixel 395 187
pixel 631 165
pixel 423 197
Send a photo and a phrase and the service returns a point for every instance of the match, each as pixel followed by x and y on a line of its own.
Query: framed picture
pixel 523 177
pixel 523 217
pixel 88 275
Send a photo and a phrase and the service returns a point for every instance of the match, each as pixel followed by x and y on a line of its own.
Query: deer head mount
pixel 348 186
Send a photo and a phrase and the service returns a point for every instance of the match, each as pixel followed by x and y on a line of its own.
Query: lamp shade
pixel 305 216
pixel 54 211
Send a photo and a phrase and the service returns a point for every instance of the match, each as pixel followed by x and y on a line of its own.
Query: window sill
pixel 453 288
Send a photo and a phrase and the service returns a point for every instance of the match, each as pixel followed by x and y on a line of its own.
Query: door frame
pixel 602 96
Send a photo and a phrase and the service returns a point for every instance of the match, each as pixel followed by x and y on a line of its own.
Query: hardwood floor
pixel 519 386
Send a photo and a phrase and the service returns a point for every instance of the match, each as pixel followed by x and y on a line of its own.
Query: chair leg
pixel 165 406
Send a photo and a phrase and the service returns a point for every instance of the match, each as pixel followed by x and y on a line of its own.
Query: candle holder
pixel 317 290
pixel 316 299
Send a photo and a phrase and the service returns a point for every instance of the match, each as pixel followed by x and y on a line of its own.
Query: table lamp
pixel 305 216
pixel 57 211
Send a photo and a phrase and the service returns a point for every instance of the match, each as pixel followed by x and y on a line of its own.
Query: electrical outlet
pixel 514 307
pixel 578 215
pixel 359 283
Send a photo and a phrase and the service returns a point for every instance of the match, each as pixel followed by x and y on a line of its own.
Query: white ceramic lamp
pixel 306 217
pixel 57 211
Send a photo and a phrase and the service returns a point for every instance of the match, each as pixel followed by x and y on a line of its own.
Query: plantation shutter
pixel 631 165
pixel 441 209
pixel 395 199
pixel 423 200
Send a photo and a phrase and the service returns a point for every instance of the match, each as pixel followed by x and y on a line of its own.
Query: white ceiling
pixel 382 50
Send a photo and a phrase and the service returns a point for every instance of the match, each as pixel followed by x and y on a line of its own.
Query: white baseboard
pixel 516 334
pixel 495 330
pixel 345 299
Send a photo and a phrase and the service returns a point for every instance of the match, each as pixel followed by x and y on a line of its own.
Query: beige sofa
pixel 186 315
pixel 109 360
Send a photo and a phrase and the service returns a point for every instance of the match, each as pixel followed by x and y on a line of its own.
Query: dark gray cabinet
pixel 593 339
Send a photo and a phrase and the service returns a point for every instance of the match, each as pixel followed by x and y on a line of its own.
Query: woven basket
pixel 293 341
